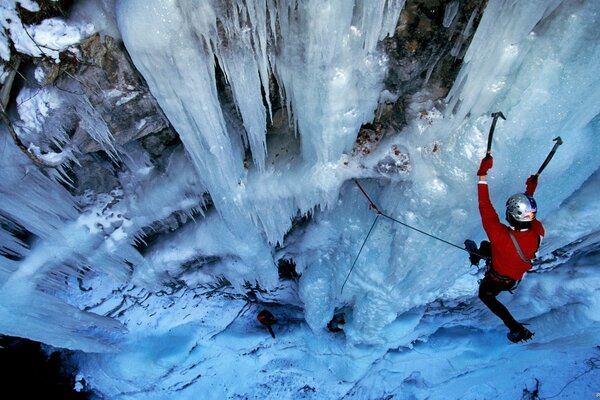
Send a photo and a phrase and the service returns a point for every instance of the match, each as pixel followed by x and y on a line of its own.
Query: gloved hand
pixel 486 164
pixel 531 185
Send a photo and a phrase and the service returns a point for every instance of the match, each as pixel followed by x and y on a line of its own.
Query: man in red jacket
pixel 512 247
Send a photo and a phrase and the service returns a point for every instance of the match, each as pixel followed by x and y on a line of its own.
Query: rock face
pixel 103 89
pixel 426 51
pixel 117 92
pixel 106 108
pixel 100 80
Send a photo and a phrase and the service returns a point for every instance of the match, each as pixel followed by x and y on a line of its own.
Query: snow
pixel 47 39
pixel 183 344
pixel 99 13
pixel 176 317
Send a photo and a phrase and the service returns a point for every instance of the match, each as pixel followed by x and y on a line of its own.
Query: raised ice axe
pixel 496 115
pixel 558 141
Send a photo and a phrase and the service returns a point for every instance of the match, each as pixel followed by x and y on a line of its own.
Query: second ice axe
pixel 558 141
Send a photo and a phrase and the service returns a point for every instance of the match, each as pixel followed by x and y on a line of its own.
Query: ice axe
pixel 496 115
pixel 558 141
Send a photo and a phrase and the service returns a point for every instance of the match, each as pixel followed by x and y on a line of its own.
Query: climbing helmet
pixel 521 207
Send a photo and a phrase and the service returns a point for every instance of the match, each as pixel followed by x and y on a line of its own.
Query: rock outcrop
pixel 107 80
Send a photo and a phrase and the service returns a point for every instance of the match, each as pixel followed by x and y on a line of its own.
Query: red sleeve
pixel 505 259
pixel 489 217
pixel 531 185
pixel 538 228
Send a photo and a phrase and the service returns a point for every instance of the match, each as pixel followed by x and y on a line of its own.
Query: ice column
pixel 504 32
pixel 330 71
pixel 322 55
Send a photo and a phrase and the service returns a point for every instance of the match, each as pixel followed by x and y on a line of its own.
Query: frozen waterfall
pixel 329 72
pixel 268 97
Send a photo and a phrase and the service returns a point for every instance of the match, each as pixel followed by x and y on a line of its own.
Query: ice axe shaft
pixel 496 115
pixel 558 141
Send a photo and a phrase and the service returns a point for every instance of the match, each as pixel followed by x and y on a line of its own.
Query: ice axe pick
pixel 558 141
pixel 496 115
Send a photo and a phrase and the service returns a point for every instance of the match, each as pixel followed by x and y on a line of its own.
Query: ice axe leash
pixel 558 141
pixel 373 206
pixel 495 116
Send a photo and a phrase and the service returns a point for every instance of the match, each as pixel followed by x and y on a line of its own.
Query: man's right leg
pixel 488 290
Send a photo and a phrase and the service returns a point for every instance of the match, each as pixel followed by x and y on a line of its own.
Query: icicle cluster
pixel 328 72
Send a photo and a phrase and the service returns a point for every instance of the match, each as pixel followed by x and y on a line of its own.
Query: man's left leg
pixel 488 290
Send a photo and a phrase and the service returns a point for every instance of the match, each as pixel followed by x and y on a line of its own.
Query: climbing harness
pixel 491 274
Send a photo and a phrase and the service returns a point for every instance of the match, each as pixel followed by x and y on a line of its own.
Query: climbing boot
pixel 520 335
pixel 473 252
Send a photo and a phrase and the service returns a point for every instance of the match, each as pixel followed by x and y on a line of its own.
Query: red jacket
pixel 505 258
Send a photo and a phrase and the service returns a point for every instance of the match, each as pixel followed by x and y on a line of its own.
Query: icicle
pixel 377 20
pixel 32 314
pixel 323 57
pixel 450 13
pixel 466 32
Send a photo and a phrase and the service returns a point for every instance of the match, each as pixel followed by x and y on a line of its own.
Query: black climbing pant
pixel 488 290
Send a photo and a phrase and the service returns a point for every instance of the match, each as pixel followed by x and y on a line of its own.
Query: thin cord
pixel 425 233
pixel 374 206
pixel 360 251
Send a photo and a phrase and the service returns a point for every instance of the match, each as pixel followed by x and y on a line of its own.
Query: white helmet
pixel 521 208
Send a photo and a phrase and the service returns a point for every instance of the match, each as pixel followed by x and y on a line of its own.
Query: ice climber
pixel 268 320
pixel 510 248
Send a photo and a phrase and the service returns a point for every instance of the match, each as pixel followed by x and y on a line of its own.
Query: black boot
pixel 520 335
pixel 474 256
